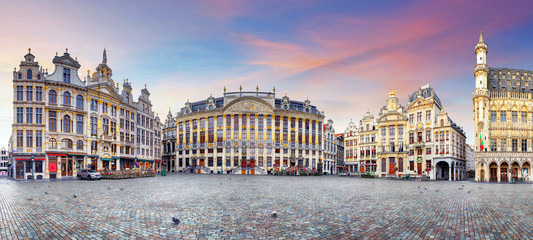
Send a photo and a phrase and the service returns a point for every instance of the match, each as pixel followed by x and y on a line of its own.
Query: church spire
pixel 481 36
pixel 104 60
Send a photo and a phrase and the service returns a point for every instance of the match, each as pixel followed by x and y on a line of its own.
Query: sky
pixel 344 56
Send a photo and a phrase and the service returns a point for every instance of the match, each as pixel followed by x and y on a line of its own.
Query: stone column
pixel 449 171
pixel 499 173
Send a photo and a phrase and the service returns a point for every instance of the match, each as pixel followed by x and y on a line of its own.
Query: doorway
pixel 19 170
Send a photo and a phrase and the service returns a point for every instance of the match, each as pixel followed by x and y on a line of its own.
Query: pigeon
pixel 74 195
pixel 460 188
pixel 121 189
pixel 176 221
pixel 418 186
pixel 372 183
pixel 108 187
pixel 220 183
pixel 425 189
pixel 469 191
pixel 421 192
pixel 463 185
pixel 436 190
pixel 45 193
pixel 274 214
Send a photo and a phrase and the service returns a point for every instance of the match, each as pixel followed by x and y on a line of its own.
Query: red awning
pixel 371 164
pixel 28 159
pixel 57 154
pixel 157 160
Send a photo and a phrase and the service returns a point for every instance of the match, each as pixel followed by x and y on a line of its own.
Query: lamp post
pixel 32 168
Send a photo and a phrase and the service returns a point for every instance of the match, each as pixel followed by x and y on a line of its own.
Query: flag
pixel 480 142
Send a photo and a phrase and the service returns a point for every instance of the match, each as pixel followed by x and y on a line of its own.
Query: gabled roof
pixel 66 60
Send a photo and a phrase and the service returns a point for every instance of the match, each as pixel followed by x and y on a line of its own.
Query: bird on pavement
pixel 108 187
pixel 418 186
pixel 460 188
pixel 274 214
pixel 176 221
pixel 74 195
pixel 45 193
pixel 121 189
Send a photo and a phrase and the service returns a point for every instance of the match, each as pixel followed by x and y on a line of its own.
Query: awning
pixel 158 160
pixel 144 160
pixel 371 164
pixel 57 154
pixel 29 159
pixel 93 156
pixel 115 158
pixel 106 159
pixel 77 154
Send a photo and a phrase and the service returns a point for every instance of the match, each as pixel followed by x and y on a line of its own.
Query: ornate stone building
pixel 351 150
pixel 169 143
pixel 391 123
pixel 248 133
pixel 419 140
pixel 436 145
pixel 62 123
pixel 503 113
pixel 330 149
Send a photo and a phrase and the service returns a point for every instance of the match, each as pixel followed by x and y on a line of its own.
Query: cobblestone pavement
pixel 239 206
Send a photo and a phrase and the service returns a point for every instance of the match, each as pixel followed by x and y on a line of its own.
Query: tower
pixel 481 96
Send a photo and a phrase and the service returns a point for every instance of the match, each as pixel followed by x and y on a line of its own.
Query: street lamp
pixel 32 168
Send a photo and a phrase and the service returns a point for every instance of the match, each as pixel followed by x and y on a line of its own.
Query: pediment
pixel 105 89
pixel 248 106
pixel 66 60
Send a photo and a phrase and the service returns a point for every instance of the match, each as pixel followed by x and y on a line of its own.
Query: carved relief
pixel 248 106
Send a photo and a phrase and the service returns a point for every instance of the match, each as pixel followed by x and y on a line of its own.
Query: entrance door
pixel 20 170
pixel 63 167
pixel 504 175
pixel 69 167
pixel 419 168
pixel 243 166
pixel 201 164
pixel 252 166
pixel 391 168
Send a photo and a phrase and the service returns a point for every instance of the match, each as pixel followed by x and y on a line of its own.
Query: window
pixel 39 138
pixel 52 143
pixel 419 117
pixel 104 107
pixel 411 138
pixel 39 77
pixel 493 117
pixel 66 124
pixel 383 165
pixel 20 138
pixel 79 145
pixel 514 116
pixel 52 121
pixel 20 76
pixel 52 97
pixel 20 114
pixel 29 138
pixel 428 151
pixel 79 101
pixel 20 93
pixel 39 115
pixel 79 124
pixel 66 75
pixel 428 136
pixel 428 164
pixel 66 98
pixel 524 117
pixel 400 130
pixel 503 145
pixel 29 93
pixel 419 137
pixel 503 116
pixel 493 144
pixel 66 143
pixel 411 118
pixel 105 126
pixel 94 105
pixel 418 151
pixel 391 130
pixel 38 94
pixel 29 115
pixel 514 145
pixel 94 126
pixel 428 115
pixel 28 75
pixel 524 145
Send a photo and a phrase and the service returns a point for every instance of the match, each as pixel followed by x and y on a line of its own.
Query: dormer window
pixel 28 76
pixel 39 77
pixel 20 76
pixel 66 75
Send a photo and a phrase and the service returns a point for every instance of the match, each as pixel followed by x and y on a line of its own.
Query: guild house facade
pixel 247 133
pixel 62 123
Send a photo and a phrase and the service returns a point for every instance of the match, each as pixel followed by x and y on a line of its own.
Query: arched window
pixel 52 143
pixel 442 122
pixel 367 127
pixel 66 75
pixel 52 97
pixel 20 76
pixel 79 145
pixel 79 101
pixel 66 98
pixel 66 124
pixel 67 143
pixel 39 77
pixel 29 74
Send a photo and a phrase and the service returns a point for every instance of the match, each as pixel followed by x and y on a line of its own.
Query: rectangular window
pixel 20 138
pixel 39 115
pixel 29 93
pixel 503 145
pixel 419 117
pixel 38 94
pixel 524 117
pixel 94 126
pixel 411 118
pixel 79 124
pixel 503 116
pixel 29 138
pixel 524 145
pixel 20 93
pixel 428 151
pixel 392 130
pixel 400 130
pixel 514 146
pixel 493 144
pixel 39 138
pixel 411 138
pixel 514 115
pixel 52 121
pixel 428 136
pixel 428 115
pixel 94 105
pixel 383 165
pixel 20 114
pixel 29 115
pixel 493 116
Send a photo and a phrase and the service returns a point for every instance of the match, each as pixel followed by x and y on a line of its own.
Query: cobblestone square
pixel 239 207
